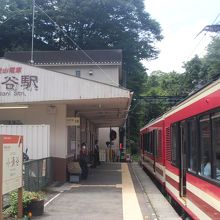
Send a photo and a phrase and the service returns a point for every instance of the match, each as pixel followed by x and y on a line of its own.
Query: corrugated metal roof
pixel 68 57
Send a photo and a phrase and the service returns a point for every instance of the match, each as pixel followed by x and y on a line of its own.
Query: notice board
pixel 11 152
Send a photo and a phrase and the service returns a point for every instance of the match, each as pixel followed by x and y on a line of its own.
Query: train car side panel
pixel 152 149
pixel 194 132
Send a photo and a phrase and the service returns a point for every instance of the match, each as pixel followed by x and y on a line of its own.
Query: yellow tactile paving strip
pixel 131 208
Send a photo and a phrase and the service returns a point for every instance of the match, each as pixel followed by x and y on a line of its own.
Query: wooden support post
pixel 1 209
pixel 1 178
pixel 20 205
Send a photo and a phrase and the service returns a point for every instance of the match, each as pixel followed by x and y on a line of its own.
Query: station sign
pixel 15 82
pixel 73 121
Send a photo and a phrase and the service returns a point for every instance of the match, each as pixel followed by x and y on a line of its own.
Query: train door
pixel 182 168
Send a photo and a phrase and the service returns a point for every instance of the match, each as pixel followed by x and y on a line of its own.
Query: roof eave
pixel 77 64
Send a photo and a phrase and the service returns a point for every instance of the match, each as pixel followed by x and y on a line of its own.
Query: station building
pixel 76 93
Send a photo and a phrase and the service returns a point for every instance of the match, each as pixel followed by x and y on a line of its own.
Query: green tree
pixel 199 71
pixel 159 84
pixel 212 59
pixel 92 24
pixel 195 74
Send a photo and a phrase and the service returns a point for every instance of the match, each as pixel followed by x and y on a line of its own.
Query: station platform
pixel 113 191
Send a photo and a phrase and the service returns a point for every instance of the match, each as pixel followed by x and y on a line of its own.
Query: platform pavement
pixel 161 207
pixel 100 197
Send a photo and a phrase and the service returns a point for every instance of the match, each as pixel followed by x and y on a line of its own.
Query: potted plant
pixel 33 203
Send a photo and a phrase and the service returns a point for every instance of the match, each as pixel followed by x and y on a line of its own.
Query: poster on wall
pixel 73 145
pixel 12 154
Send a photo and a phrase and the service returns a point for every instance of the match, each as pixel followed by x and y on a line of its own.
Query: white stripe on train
pixel 198 96
pixel 162 168
pixel 149 166
pixel 172 175
pixel 198 192
pixel 198 212
pixel 204 196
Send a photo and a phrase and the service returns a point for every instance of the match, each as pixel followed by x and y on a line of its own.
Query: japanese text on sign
pixel 73 121
pixel 12 166
pixel 16 84
pixel 10 70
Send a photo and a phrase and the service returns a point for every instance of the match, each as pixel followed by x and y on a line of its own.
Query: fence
pixel 37 174
pixel 36 138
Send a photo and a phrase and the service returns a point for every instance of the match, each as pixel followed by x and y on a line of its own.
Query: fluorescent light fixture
pixel 14 107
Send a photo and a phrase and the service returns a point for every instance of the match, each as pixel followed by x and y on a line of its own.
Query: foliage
pixel 132 147
pixel 199 71
pixel 195 74
pixel 27 197
pixel 163 84
pixel 136 75
pixel 159 84
pixel 212 59
pixel 124 25
pixel 135 158
pixel 15 30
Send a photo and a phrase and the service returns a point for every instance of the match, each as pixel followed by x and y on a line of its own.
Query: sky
pixel 181 21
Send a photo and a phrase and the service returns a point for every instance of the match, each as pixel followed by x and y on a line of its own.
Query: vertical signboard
pixel 12 163
pixel 11 155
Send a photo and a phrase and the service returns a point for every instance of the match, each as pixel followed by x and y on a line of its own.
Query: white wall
pixel 107 74
pixel 37 85
pixel 39 114
pixel 36 138
pixel 104 137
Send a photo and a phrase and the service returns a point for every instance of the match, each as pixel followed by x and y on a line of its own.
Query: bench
pixel 74 171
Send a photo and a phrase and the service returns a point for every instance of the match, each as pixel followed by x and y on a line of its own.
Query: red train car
pixel 152 150
pixel 182 151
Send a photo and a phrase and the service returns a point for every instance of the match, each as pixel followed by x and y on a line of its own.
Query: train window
pixel 144 142
pixel 175 144
pixel 216 144
pixel 192 147
pixel 159 143
pixel 183 143
pixel 205 146
pixel 148 142
pixel 155 132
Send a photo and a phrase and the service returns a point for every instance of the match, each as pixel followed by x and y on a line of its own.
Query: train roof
pixel 201 93
pixel 197 95
pixel 153 121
